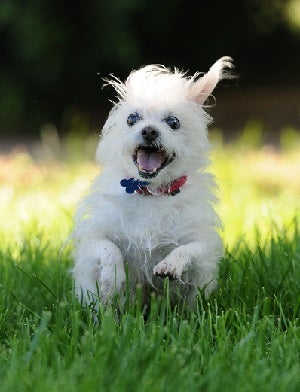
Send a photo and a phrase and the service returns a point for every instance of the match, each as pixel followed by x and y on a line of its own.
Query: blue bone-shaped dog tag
pixel 132 184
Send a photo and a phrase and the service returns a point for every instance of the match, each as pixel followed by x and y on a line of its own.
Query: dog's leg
pixel 197 258
pixel 99 270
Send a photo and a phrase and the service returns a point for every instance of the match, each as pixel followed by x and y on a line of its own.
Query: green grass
pixel 245 338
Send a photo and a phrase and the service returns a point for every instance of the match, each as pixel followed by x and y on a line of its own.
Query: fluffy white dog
pixel 149 214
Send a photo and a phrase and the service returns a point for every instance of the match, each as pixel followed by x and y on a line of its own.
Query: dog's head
pixel 158 129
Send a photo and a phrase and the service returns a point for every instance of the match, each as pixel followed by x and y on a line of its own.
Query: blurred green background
pixel 53 55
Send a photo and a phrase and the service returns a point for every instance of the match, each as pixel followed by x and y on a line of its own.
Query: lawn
pixel 245 338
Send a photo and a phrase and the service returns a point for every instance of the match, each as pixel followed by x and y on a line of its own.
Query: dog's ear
pixel 200 89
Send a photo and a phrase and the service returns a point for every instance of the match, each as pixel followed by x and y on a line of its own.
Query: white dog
pixel 150 215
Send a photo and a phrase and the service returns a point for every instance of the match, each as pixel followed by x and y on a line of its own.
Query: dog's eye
pixel 133 118
pixel 173 122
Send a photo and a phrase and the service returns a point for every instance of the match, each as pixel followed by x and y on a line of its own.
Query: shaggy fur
pixel 155 235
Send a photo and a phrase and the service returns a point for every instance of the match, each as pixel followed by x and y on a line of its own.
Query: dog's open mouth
pixel 150 160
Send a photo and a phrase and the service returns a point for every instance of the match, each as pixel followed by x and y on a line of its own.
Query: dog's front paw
pixel 99 272
pixel 111 281
pixel 165 269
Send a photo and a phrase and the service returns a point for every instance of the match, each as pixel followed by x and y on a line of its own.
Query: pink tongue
pixel 149 161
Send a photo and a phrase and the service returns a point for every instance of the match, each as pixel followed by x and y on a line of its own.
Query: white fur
pixel 159 234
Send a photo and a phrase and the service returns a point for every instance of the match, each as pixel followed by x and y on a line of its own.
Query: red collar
pixel 171 189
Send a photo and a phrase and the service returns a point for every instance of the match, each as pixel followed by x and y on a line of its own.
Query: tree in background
pixel 53 54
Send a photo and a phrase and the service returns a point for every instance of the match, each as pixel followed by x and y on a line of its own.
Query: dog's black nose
pixel 149 134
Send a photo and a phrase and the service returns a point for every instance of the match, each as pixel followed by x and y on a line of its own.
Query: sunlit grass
pixel 259 190
pixel 40 195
